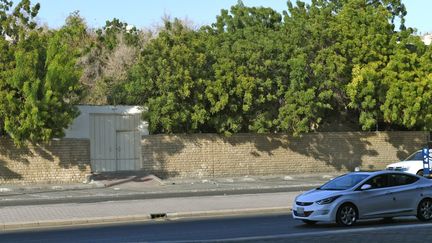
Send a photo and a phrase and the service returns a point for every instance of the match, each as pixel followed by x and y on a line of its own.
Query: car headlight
pixel 327 200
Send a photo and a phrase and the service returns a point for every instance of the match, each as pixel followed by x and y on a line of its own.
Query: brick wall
pixel 62 161
pixel 210 155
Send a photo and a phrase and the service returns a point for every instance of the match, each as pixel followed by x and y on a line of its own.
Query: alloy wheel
pixel 347 215
pixel 425 210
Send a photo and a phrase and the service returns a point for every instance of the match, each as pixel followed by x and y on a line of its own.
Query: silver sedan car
pixel 366 195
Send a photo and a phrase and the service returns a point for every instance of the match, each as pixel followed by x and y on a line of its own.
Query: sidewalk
pixel 147 198
pixel 19 217
pixel 151 187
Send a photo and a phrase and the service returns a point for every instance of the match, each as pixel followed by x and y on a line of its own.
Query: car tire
pixel 420 173
pixel 424 210
pixel 309 222
pixel 346 215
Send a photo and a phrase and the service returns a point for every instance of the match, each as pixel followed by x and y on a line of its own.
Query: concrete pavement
pixel 147 198
pixel 51 215
pixel 151 187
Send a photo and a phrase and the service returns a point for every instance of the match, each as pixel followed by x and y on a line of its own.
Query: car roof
pixel 379 172
pixel 362 173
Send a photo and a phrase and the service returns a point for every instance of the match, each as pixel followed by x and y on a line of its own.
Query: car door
pixel 403 193
pixel 375 201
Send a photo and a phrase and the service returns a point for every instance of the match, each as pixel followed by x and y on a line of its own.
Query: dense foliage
pixel 252 70
pixel 256 70
pixel 38 78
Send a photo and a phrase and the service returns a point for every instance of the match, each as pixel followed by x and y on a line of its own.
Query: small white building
pixel 115 136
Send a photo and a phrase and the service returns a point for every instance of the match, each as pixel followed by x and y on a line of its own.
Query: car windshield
pixel 343 182
pixel 415 156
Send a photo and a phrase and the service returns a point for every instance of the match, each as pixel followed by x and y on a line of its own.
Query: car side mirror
pixel 365 187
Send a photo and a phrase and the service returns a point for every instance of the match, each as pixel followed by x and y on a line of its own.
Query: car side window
pixel 416 156
pixel 379 181
pixel 400 179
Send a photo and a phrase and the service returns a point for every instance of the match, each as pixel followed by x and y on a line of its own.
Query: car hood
pixel 315 195
pixel 406 163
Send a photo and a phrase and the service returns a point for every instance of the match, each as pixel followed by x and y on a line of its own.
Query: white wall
pixel 80 128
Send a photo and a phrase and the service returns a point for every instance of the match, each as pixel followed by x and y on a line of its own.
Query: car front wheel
pixel 419 173
pixel 346 215
pixel 424 210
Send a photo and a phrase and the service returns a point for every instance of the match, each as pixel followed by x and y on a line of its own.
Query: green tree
pixel 169 78
pixel 109 34
pixel 369 42
pixel 312 84
pixel 331 41
pixel 39 81
pixel 222 78
pixel 407 84
pixel 250 70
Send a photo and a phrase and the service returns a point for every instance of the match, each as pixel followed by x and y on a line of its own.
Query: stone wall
pixel 62 161
pixel 210 155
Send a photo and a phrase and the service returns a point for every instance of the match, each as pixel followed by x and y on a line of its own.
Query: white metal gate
pixel 127 154
pixel 115 142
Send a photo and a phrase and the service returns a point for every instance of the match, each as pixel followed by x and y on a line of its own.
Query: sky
pixel 148 13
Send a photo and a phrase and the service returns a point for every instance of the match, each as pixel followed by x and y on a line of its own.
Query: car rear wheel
pixel 346 215
pixel 424 210
pixel 420 173
pixel 309 222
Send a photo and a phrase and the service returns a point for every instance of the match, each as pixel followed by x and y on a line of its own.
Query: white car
pixel 366 195
pixel 413 164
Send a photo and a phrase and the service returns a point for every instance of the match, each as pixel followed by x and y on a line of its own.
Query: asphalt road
pixel 261 228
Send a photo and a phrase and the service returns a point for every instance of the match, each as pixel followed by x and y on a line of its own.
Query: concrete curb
pixel 225 212
pixel 73 222
pixel 137 218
